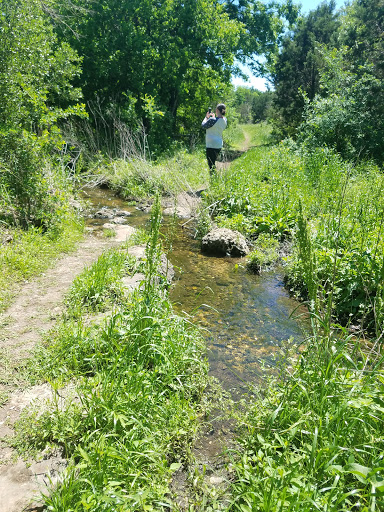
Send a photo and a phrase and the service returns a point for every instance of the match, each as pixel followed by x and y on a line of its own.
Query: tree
pixel 349 114
pixel 362 31
pixel 262 106
pixel 297 68
pixel 35 70
pixel 251 104
pixel 169 51
pixel 176 55
pixel 264 25
pixel 35 92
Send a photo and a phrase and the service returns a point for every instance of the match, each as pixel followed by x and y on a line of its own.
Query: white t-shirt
pixel 214 127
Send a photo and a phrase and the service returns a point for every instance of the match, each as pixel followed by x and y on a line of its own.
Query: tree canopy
pixel 163 61
pixel 297 68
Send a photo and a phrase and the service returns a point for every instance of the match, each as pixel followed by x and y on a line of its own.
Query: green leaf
pixel 361 472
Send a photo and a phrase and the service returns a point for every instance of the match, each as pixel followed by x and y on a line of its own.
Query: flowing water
pixel 245 318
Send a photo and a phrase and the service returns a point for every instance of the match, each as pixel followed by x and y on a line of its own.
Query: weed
pixel 332 212
pixel 315 441
pixel 264 254
pixel 109 233
pixel 96 287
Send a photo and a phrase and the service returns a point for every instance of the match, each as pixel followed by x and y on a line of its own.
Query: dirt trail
pixel 247 141
pixel 22 326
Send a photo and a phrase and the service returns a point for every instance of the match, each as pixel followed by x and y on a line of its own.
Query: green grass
pixel 244 136
pixel 98 287
pixel 31 252
pixel 264 254
pixel 169 175
pixel 138 382
pixel 342 211
pixel 315 441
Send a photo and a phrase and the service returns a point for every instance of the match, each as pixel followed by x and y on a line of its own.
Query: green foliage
pixel 252 105
pixel 350 118
pixel 315 441
pixel 97 287
pixel 296 70
pixel 157 61
pixel 238 222
pixel 337 260
pixel 164 62
pixel 35 70
pixel 264 26
pixel 35 93
pixel 361 32
pixel 33 191
pixel 328 81
pixel 139 381
pixel 264 254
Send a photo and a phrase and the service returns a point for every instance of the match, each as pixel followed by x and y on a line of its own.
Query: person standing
pixel 214 126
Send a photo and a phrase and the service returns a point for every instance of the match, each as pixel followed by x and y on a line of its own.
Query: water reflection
pixel 245 317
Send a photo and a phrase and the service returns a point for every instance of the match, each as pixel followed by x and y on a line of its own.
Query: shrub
pixel 34 192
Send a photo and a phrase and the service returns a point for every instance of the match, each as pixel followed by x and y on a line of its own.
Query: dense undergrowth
pixel 138 379
pixel 333 212
pixel 315 440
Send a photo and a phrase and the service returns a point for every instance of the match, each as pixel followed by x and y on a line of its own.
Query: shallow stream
pixel 245 317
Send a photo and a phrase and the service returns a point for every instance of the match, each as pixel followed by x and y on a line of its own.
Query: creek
pixel 245 318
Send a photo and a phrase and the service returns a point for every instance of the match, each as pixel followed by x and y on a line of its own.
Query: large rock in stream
pixel 224 242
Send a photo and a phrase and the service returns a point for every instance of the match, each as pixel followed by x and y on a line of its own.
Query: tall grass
pixel 268 190
pixel 170 175
pixel 315 442
pixel 314 439
pixel 139 380
pixel 100 286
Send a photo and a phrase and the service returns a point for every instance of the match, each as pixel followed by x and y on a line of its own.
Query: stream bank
pixel 245 317
pixel 246 320
pixel 218 293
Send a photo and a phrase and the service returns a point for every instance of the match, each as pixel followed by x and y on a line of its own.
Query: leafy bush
pixel 349 120
pixel 32 192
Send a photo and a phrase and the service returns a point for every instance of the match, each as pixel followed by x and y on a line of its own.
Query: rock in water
pixel 224 242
